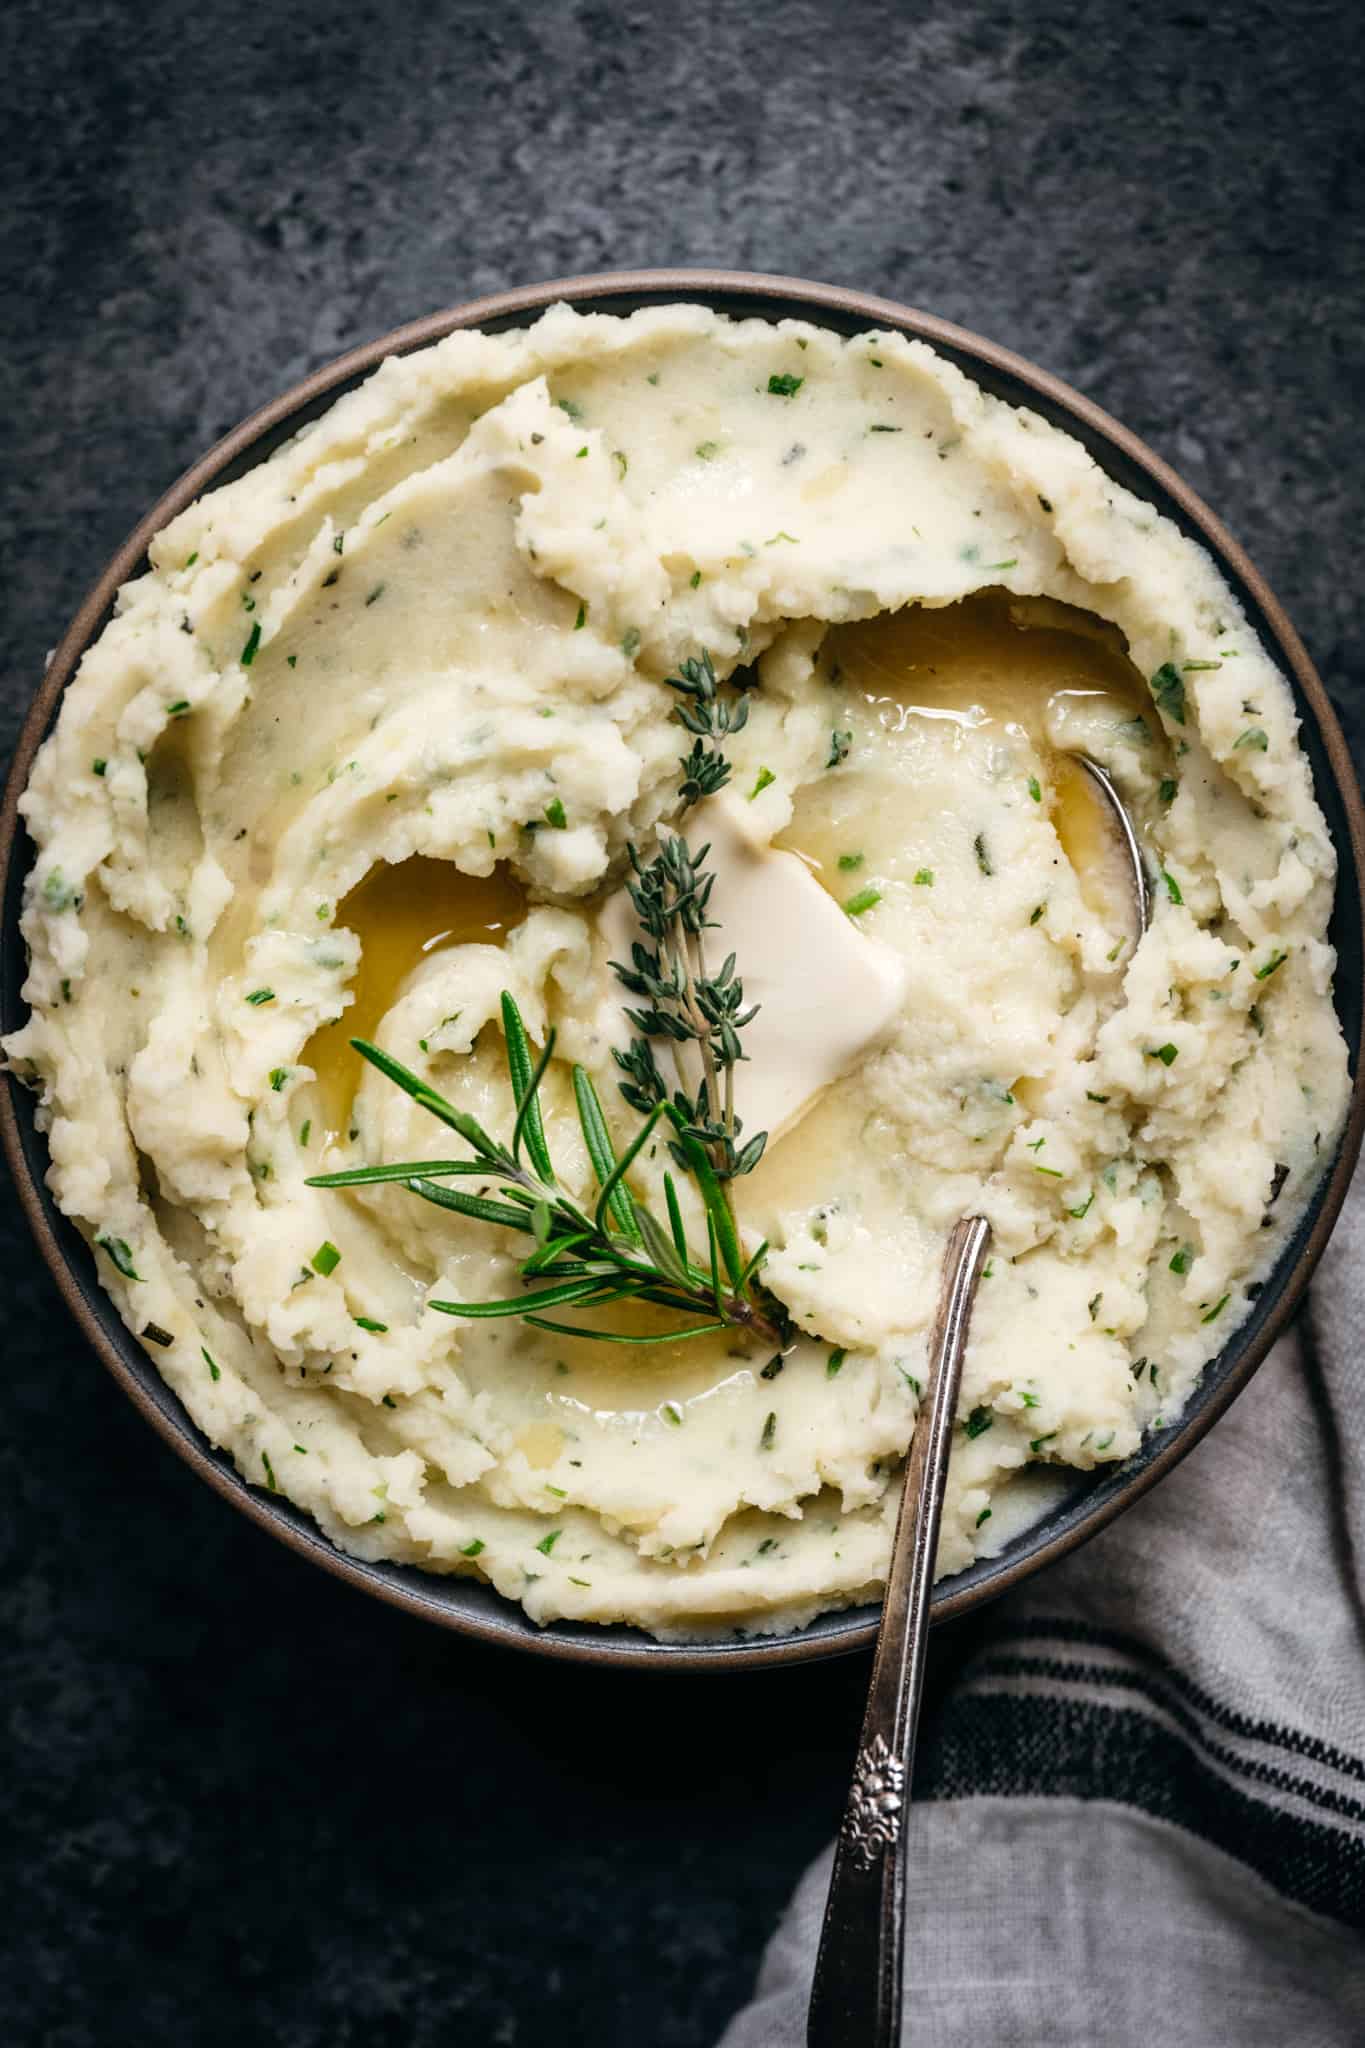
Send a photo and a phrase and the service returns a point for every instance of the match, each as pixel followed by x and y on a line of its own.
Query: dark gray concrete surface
pixel 238 1802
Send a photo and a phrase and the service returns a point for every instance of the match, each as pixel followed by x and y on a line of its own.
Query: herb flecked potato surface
pixel 363 755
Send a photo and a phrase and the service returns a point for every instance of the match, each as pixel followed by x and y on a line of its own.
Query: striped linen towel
pixel 1140 1808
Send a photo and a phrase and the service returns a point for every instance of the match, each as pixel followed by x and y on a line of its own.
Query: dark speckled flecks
pixel 238 1803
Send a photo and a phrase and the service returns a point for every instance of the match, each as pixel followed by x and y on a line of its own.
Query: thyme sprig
pixel 583 1255
pixel 683 1003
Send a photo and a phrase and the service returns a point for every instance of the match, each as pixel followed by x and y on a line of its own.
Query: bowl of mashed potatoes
pixel 354 739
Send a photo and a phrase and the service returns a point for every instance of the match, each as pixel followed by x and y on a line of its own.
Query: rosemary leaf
pixel 601 1151
pixel 472 1205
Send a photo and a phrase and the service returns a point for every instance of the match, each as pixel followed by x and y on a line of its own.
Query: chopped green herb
pixel 1183 1259
pixel 983 859
pixel 630 642
pixel 1035 789
pixel 1084 1207
pixel 1189 665
pixel 695 578
pixel 581 621
pixel 1257 1021
pixel 1217 1309
pixel 924 878
pixel 98 765
pixel 849 861
pixel 473 1549
pixel 369 1323
pixel 1254 738
pixel 567 405
pixel 1036 1443
pixel 214 1373
pixel 1037 912
pixel 259 996
pixel 1053 1172
pixel 306 1127
pixel 1166 793
pixel 1276 960
pixel 375 594
pixel 326 1258
pixel 278 1077
pixel 706 449
pixel 388 1401
pixel 253 641
pixel 119 1252
pixel 834 1363
pixel 1168 689
pixel 878 428
pixel 1095 1098
pixel 839 744
pixel 1167 1054
pixel 554 814
pixel 765 1442
pixel 547 1543
pixel 978 1422
pixel 984 1516
pixel 673 1414
pixel 1172 887
pixel 190 560
pixel 765 776
pixel 785 386
pixel 863 901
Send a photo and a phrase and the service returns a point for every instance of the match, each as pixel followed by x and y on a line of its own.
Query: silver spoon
pixel 856 1997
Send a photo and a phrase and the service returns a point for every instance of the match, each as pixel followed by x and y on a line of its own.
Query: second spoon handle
pixel 856 1997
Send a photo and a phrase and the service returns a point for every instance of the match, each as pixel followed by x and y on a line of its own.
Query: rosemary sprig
pixel 683 1004
pixel 581 1255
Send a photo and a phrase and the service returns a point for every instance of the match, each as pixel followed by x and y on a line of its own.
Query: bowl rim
pixel 516 306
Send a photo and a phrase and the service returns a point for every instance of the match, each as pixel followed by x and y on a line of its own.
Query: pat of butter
pixel 827 992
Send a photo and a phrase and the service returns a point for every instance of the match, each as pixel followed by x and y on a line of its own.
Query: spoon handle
pixel 856 1998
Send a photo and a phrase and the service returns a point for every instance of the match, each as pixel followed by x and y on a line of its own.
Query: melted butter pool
pixel 1032 667
pixel 402 914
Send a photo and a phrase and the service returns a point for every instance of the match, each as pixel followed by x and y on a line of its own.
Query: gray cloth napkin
pixel 1140 1811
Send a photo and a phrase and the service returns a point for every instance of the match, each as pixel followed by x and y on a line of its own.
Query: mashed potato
pixel 365 747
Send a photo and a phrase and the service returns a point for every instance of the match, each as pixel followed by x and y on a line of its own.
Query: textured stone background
pixel 237 1801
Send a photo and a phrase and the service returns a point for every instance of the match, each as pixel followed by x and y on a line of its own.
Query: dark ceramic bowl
pixel 1093 1499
